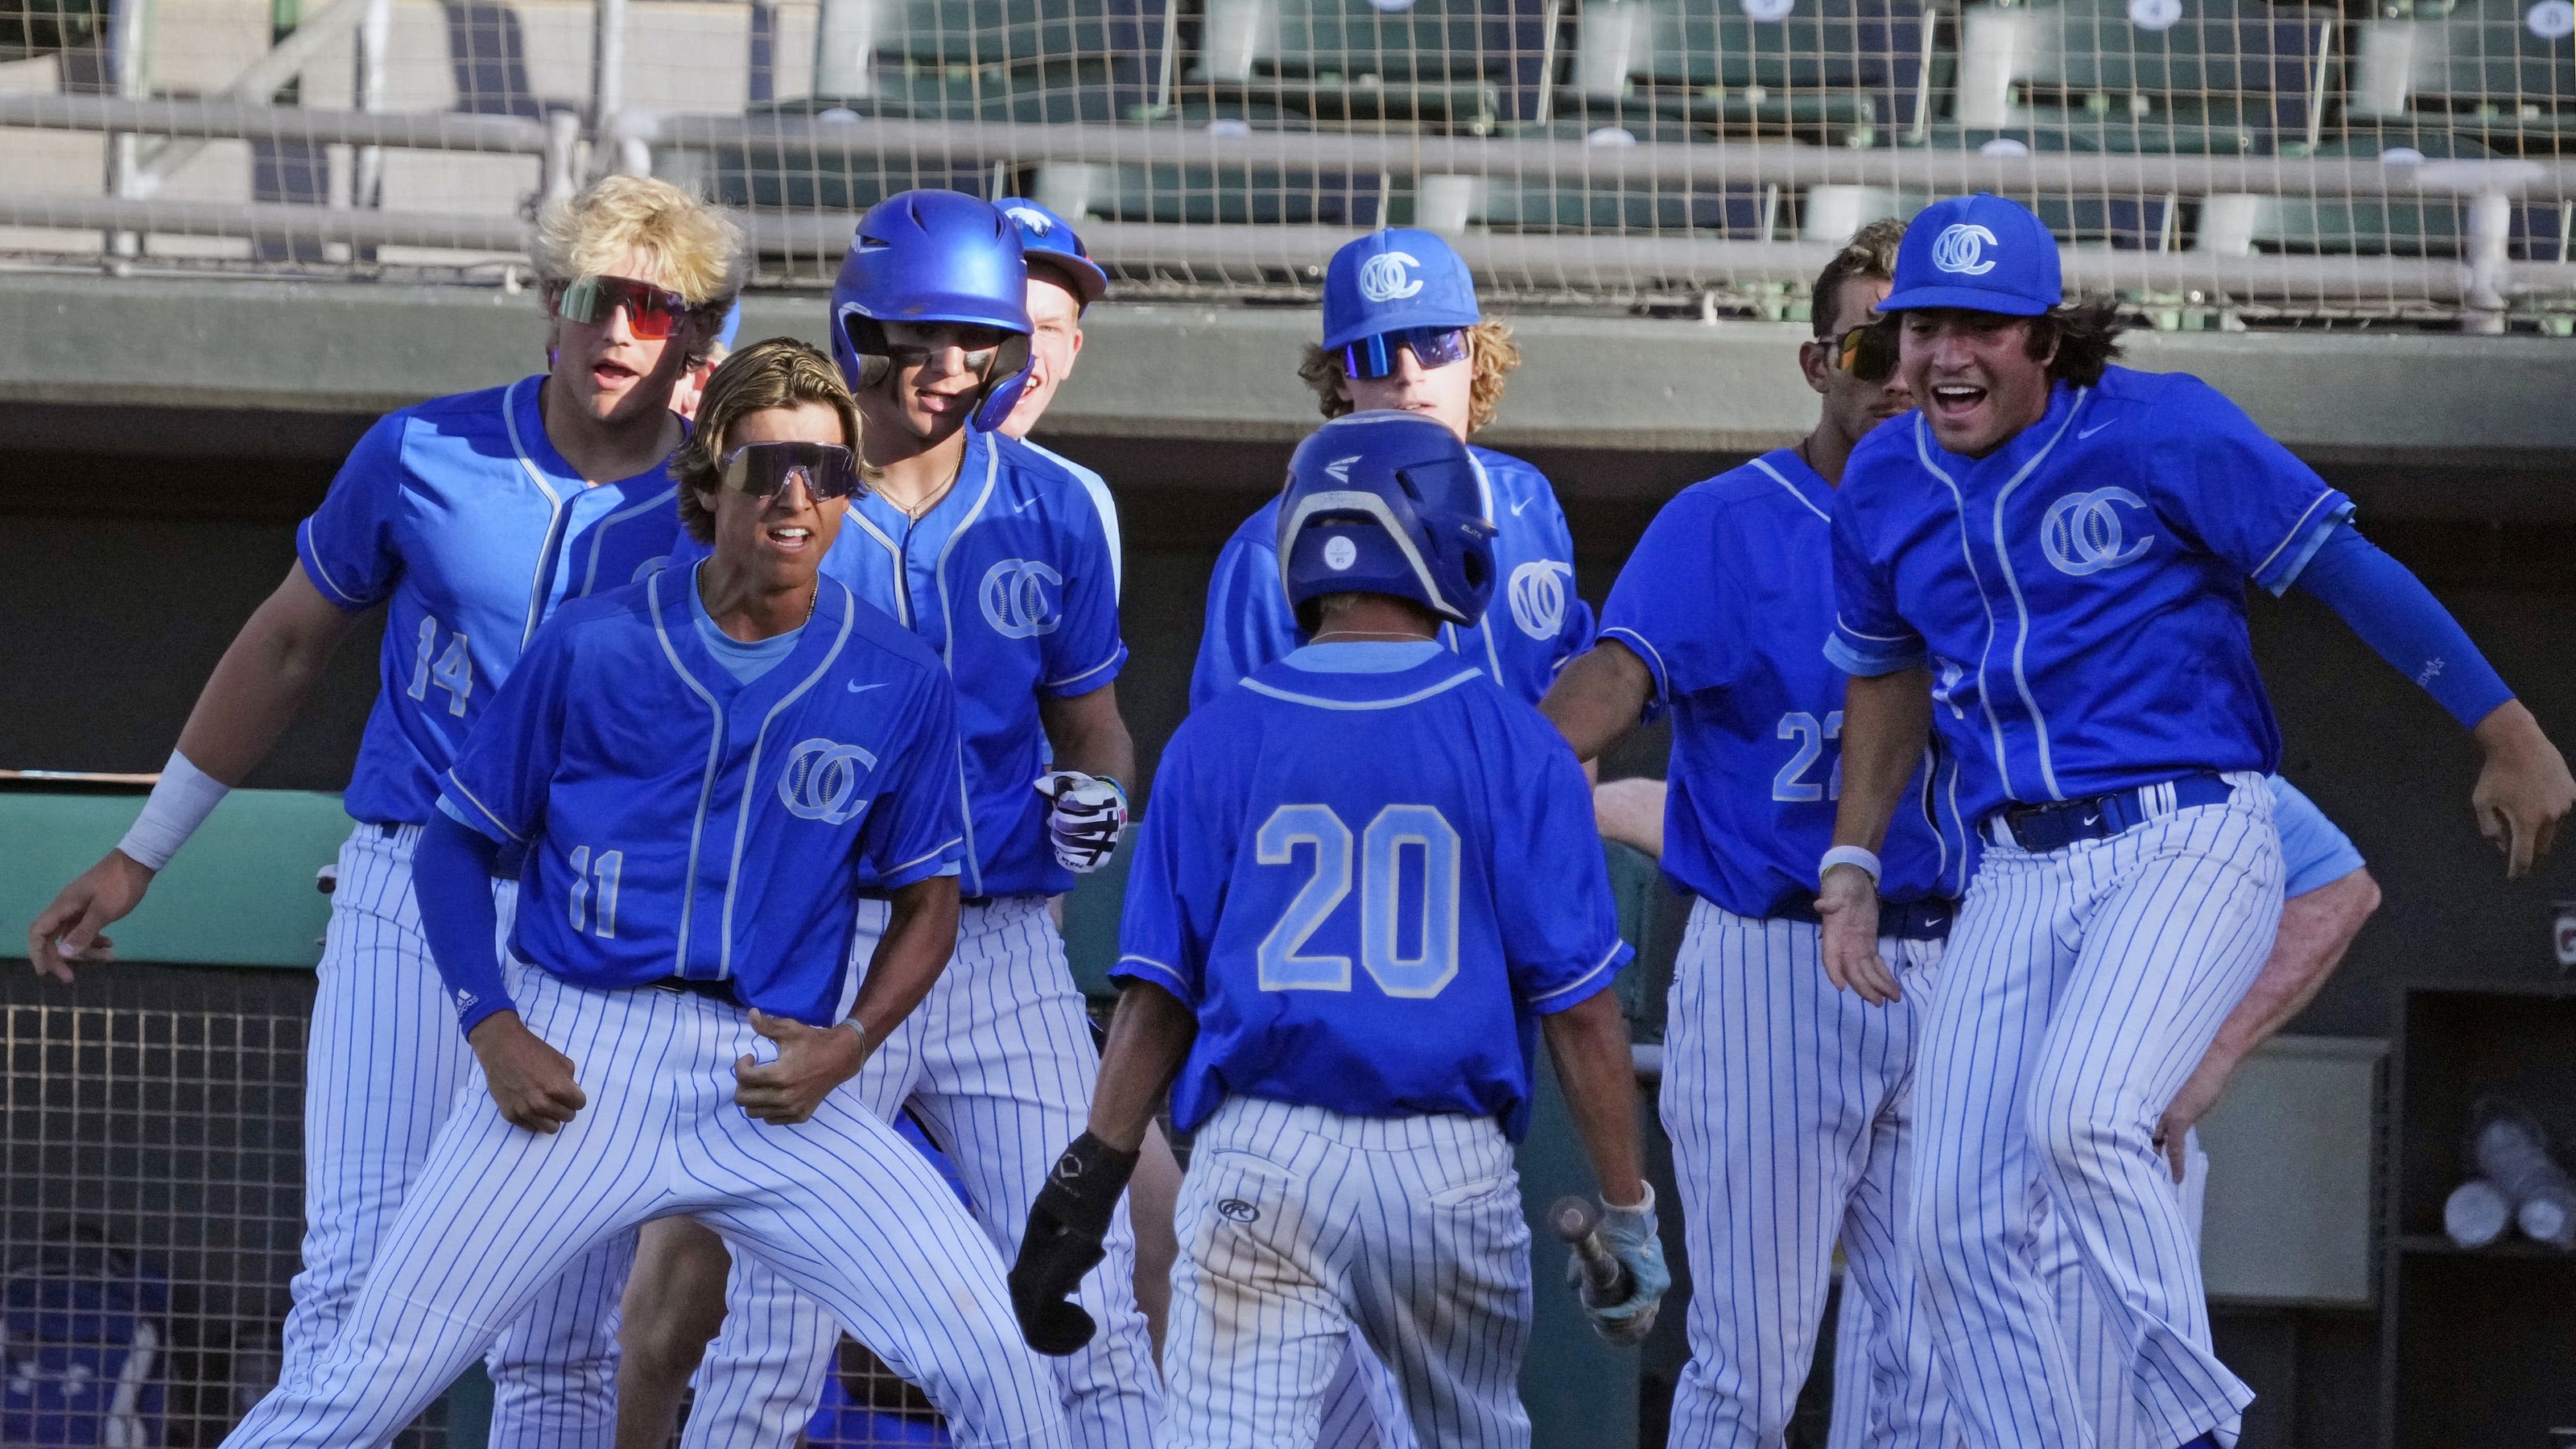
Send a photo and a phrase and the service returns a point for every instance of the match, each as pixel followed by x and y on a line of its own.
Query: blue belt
pixel 2043 828
pixel 1924 920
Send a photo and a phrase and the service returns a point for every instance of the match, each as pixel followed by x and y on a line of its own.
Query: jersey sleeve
pixel 1870 637
pixel 499 783
pixel 1249 624
pixel 914 830
pixel 2243 496
pixel 1174 883
pixel 1660 607
pixel 2313 851
pixel 1084 651
pixel 1563 942
pixel 347 545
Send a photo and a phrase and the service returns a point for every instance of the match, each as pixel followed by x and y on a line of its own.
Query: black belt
pixel 2040 829
pixel 1924 920
pixel 695 986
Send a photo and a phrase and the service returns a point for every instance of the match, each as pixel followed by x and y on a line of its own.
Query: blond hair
pixel 701 253
pixel 1870 253
pixel 778 373
pixel 1490 350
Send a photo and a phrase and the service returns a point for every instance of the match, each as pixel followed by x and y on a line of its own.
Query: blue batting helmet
pixel 1387 503
pixel 934 256
pixel 1050 242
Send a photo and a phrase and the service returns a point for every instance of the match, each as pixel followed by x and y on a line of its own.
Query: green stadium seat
pixel 1843 72
pixel 1577 206
pixel 2400 225
pixel 2504 70
pixel 1464 65
pixel 2224 65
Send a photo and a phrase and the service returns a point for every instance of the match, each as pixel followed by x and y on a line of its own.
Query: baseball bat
pixel 1578 1224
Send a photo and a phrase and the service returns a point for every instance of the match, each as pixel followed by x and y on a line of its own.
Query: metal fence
pixel 2397 159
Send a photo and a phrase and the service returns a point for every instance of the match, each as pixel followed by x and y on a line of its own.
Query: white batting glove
pixel 1089 814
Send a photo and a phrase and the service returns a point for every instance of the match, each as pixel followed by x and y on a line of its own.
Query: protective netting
pixel 2392 158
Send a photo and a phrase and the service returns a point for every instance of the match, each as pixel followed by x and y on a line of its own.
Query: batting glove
pixel 1089 814
pixel 1068 1224
pixel 1630 1235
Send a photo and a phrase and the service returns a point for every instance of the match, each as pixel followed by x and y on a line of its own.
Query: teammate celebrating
pixel 1998 559
pixel 470 519
pixel 697 769
pixel 1402 330
pixel 1352 1165
pixel 1786 1101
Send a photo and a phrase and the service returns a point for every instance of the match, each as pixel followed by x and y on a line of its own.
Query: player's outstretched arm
pixel 247 703
pixel 1886 719
pixel 2317 928
pixel 920 935
pixel 1588 1042
pixel 1598 698
pixel 2524 791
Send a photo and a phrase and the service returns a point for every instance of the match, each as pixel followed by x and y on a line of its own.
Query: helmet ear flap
pixel 868 344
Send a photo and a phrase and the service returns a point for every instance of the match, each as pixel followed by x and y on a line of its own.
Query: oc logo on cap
pixel 1961 248
pixel 1384 278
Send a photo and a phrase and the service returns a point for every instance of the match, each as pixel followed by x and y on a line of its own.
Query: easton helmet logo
pixel 2083 533
pixel 1016 599
pixel 1537 593
pixel 821 781
pixel 1961 248
pixel 1339 470
pixel 1384 278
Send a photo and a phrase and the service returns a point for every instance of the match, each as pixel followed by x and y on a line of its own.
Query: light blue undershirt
pixel 1365 656
pixel 745 662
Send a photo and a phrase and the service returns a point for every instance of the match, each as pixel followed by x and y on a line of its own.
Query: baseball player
pixel 1786 1101
pixel 697 770
pixel 1330 920
pixel 2046 563
pixel 2329 896
pixel 469 520
pixel 1402 330
pixel 1006 565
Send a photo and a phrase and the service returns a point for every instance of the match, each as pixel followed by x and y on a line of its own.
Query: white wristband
pixel 180 803
pixel 1849 855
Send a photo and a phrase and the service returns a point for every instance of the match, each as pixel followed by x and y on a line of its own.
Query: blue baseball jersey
pixel 465 522
pixel 680 822
pixel 2314 852
pixel 1369 871
pixel 1535 623
pixel 2080 592
pixel 1724 599
pixel 1012 580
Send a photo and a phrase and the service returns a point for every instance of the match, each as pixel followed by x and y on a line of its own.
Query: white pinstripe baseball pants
pixel 2081 988
pixel 382 1067
pixel 839 1205
pixel 1298 1224
pixel 1786 1102
pixel 998 1064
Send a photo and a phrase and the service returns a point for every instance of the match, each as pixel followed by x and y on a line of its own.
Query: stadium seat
pixel 1578 205
pixel 2230 67
pixel 1845 72
pixel 1206 195
pixel 1463 65
pixel 1028 60
pixel 2401 224
pixel 2504 70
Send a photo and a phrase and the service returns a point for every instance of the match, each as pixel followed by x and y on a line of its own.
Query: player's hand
pixel 1068 1224
pixel 68 930
pixel 1630 1233
pixel 2523 791
pixel 530 1081
pixel 812 1060
pixel 2199 1093
pixel 1848 905
pixel 1085 816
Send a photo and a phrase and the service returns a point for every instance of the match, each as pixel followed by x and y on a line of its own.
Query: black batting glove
pixel 1068 1224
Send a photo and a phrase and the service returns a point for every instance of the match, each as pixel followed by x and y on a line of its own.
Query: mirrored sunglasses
pixel 1867 352
pixel 1373 357
pixel 981 346
pixel 761 469
pixel 652 313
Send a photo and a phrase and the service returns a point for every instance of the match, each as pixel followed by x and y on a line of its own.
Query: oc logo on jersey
pixel 2085 533
pixel 821 781
pixel 1537 592
pixel 1022 598
pixel 1961 248
pixel 1383 277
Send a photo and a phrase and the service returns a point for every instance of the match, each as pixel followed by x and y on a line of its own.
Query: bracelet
pixel 1849 855
pixel 858 1026
pixel 181 801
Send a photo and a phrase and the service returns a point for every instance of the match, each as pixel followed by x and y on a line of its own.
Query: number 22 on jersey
pixel 1403 840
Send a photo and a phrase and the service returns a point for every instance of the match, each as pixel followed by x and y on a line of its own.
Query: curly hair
pixel 1870 253
pixel 2085 336
pixel 778 373
pixel 1490 350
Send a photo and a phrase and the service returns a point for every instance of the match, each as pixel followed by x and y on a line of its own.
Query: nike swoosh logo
pixel 2082 433
pixel 858 688
pixel 2092 820
pixel 1522 506
pixel 1024 505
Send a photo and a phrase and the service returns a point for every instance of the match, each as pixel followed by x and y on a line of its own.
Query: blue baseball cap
pixel 1049 241
pixel 1984 253
pixel 1392 279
